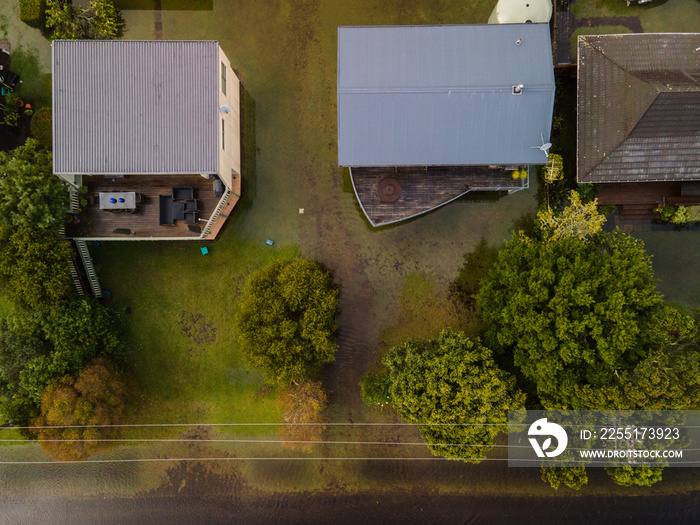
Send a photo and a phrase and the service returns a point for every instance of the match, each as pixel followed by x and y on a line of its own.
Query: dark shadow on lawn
pixel 249 152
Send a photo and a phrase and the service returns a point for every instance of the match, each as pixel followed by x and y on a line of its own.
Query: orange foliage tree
pixel 96 397
pixel 302 402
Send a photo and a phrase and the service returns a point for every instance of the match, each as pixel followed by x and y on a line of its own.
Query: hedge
pixel 41 128
pixel 32 12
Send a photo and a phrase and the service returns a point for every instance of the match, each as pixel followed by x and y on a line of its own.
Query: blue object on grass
pixel 205 250
pixel 269 242
pixel 106 293
pixel 95 243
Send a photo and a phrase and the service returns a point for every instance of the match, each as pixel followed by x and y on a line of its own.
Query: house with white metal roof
pixel 429 113
pixel 147 135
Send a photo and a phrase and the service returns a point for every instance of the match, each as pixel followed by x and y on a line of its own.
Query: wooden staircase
pixel 73 267
pixel 214 216
pixel 89 268
pixel 638 211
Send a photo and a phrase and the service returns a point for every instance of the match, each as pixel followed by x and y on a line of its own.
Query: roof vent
pixel 518 90
pixel 518 42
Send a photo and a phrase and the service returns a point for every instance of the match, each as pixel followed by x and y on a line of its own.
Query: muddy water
pixel 285 53
pixel 358 509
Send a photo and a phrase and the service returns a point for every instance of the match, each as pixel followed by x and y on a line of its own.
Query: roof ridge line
pixel 502 87
pixel 584 40
pixel 605 157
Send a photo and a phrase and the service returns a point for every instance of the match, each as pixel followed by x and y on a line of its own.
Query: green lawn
pixel 181 328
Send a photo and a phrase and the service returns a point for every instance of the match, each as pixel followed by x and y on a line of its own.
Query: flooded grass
pixel 394 281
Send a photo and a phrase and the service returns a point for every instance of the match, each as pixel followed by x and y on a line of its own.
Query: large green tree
pixel 101 20
pixel 31 196
pixel 452 380
pixel 35 265
pixel 287 322
pixel 572 311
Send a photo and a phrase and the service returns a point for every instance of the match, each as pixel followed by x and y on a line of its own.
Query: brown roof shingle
pixel 638 107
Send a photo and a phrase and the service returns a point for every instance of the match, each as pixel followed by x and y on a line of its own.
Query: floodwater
pixel 285 54
pixel 357 509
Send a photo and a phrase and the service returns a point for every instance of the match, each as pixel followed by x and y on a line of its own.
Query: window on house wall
pixel 223 135
pixel 223 78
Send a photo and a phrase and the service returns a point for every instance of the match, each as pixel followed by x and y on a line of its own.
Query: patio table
pixel 123 200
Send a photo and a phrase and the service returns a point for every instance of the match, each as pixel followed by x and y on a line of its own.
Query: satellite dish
pixel 224 109
pixel 544 148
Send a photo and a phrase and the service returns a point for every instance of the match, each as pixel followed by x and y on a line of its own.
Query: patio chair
pixel 190 217
pixel 191 205
pixel 181 193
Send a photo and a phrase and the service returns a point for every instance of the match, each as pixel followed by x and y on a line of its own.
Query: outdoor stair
pixel 638 211
pixel 76 277
pixel 89 268
pixel 214 216
pixel 74 201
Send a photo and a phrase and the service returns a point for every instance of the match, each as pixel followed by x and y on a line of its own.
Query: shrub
pixel 374 389
pixel 41 127
pixel 452 387
pixel 287 322
pixel 303 404
pixel 674 214
pixel 31 12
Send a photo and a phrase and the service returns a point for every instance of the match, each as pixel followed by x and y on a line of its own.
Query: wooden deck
pixel 638 200
pixel 145 223
pixel 423 188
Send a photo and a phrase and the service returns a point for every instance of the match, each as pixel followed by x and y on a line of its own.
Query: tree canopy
pixel 287 321
pixel 36 348
pixel 35 264
pixel 452 380
pixel 577 220
pixel 641 475
pixel 572 311
pixel 31 196
pixel 101 20
pixel 572 477
pixel 95 397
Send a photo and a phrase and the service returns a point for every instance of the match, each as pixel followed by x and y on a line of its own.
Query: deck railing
pixel 89 268
pixel 217 212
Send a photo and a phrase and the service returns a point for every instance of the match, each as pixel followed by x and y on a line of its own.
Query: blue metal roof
pixel 443 95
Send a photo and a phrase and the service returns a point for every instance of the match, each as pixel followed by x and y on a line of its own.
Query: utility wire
pixel 155 425
pixel 147 425
pixel 154 460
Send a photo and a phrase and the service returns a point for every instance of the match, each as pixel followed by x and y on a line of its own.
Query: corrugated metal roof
pixel 442 95
pixel 638 107
pixel 135 107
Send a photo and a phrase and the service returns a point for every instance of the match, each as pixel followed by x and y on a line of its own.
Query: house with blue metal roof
pixel 429 113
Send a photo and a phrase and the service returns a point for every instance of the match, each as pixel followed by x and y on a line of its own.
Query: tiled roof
pixel 638 107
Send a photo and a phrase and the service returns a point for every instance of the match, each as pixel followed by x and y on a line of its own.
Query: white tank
pixel 521 11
